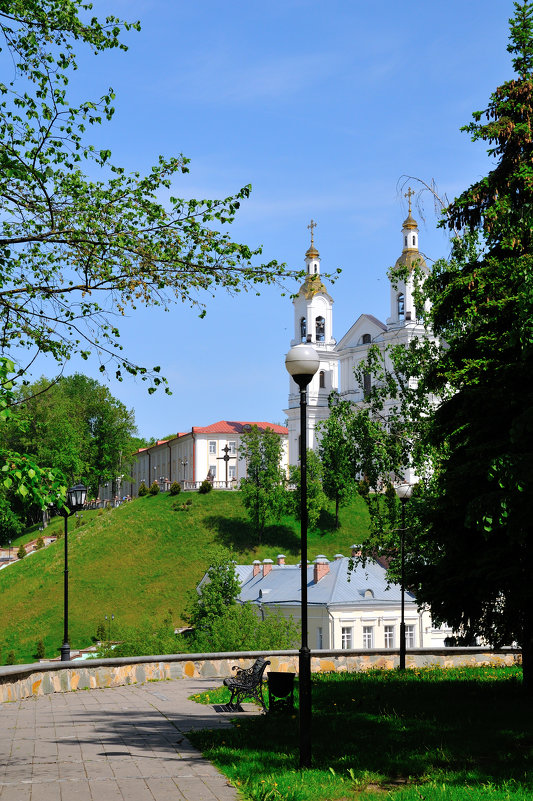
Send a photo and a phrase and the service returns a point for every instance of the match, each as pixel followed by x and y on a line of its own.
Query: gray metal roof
pixel 339 586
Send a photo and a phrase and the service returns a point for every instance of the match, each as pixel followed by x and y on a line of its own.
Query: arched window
pixel 320 324
pixel 401 306
pixel 366 339
pixel 405 241
pixel 322 379
pixel 303 329
pixel 414 240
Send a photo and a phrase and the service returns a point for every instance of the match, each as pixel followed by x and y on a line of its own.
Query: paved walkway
pixel 108 745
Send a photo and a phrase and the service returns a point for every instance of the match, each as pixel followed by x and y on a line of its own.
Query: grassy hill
pixel 141 560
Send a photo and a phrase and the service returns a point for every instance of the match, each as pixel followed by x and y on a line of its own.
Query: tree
pixel 263 487
pixel 469 527
pixel 73 251
pixel 478 515
pixel 219 590
pixel 336 453
pixel 316 499
pixel 77 426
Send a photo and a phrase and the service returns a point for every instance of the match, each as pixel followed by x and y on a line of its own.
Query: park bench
pixel 246 683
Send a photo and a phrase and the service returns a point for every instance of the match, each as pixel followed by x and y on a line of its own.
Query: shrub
pixel 39 651
pixel 39 544
pixel 10 658
pixel 175 488
pixel 100 632
pixel 205 487
pixel 154 488
pixel 21 553
pixel 143 490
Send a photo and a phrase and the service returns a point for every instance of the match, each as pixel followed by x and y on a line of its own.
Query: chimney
pixel 321 567
pixel 356 551
pixel 280 559
pixel 338 556
pixel 267 567
pixel 256 564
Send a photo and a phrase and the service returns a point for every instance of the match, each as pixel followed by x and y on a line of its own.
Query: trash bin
pixel 280 691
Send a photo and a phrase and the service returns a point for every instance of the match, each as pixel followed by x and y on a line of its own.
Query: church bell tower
pixel 313 323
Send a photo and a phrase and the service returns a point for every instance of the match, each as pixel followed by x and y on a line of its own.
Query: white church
pixel 313 322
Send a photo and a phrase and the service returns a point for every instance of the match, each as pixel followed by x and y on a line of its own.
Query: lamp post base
pixel 65 652
pixel 305 706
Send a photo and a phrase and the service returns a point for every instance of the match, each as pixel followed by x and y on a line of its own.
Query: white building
pixel 347 609
pixel 313 322
pixel 205 451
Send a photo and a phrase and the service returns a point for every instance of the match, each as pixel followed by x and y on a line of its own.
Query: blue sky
pixel 322 107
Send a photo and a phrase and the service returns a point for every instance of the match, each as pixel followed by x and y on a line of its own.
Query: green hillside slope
pixel 141 560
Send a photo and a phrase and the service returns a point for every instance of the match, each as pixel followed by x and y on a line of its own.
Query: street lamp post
pixel 184 464
pixel 403 492
pixel 75 499
pixel 302 362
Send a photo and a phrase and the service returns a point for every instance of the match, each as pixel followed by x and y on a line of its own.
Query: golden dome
pixel 411 258
pixel 311 252
pixel 410 222
pixel 313 286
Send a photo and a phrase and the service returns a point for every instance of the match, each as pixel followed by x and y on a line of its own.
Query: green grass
pixel 461 734
pixel 141 560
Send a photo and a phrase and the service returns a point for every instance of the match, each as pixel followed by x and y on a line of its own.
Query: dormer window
pixel 303 329
pixel 322 379
pixel 320 325
pixel 400 302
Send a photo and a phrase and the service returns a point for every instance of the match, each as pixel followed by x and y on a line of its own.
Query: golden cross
pixel 409 194
pixel 312 225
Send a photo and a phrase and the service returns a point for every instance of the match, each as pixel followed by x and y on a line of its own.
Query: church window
pixel 303 329
pixel 405 241
pixel 367 384
pixel 414 240
pixel 320 329
pixel 322 379
pixel 401 306
pixel 366 339
pixel 316 269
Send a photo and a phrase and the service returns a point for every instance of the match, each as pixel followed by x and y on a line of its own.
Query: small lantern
pixel 76 496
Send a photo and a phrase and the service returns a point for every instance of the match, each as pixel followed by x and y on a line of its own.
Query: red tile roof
pixel 237 427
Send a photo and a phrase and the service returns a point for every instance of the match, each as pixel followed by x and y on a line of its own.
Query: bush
pixel 175 488
pixel 148 637
pixel 205 487
pixel 39 544
pixel 39 651
pixel 239 628
pixel 10 658
pixel 154 488
pixel 143 490
pixel 100 632
pixel 21 553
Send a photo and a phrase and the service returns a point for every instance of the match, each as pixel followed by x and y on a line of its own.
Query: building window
pixel 410 635
pixel 389 636
pixel 319 638
pixel 322 379
pixel 367 385
pixel 401 306
pixel 414 240
pixel 213 470
pixel 320 325
pixel 405 241
pixel 212 446
pixel 232 471
pixel 368 636
pixel 303 329
pixel 232 449
pixel 366 339
pixel 346 637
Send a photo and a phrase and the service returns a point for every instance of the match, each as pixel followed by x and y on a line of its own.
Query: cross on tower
pixel 312 225
pixel 409 194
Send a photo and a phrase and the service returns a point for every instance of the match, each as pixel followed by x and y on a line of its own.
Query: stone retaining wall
pixel 23 681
